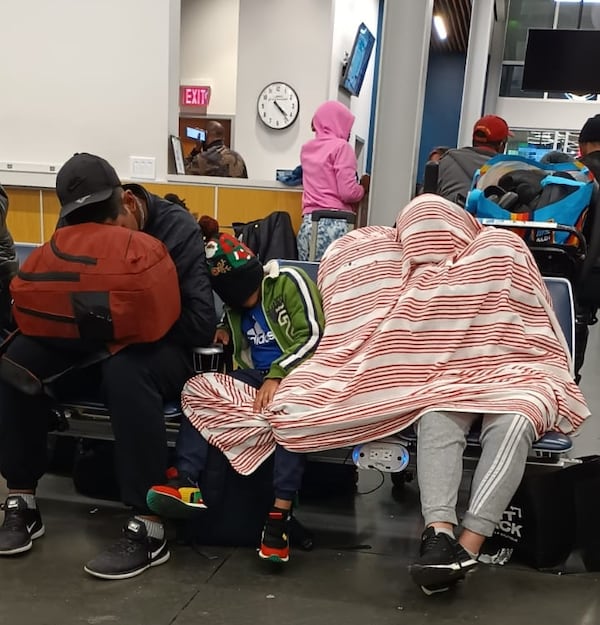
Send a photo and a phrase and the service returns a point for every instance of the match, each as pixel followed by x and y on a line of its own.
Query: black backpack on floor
pixel 237 505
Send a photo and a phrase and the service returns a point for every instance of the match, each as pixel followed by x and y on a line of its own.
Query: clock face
pixel 278 106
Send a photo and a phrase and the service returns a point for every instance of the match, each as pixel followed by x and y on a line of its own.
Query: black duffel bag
pixel 553 512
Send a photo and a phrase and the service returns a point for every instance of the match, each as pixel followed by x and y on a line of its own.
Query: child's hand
pixel 221 336
pixel 365 182
pixel 265 394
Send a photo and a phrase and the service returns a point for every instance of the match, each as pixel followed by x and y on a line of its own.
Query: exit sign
pixel 194 96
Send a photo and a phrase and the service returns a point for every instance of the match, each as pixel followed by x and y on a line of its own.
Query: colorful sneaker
pixel 131 555
pixel 22 525
pixel 275 544
pixel 179 498
pixel 442 562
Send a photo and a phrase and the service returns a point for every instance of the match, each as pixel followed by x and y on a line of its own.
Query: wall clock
pixel 278 106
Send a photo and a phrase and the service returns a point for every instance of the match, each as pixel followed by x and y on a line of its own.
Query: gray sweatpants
pixel 505 441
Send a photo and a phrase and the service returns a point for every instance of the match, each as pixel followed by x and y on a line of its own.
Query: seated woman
pixel 439 321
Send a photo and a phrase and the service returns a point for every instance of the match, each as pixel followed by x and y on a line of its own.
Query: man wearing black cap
pixel 135 381
pixel 589 145
pixel 457 167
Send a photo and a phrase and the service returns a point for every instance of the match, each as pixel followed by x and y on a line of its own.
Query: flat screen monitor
pixel 532 152
pixel 356 67
pixel 562 60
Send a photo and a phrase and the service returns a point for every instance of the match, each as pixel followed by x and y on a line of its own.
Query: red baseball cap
pixel 491 129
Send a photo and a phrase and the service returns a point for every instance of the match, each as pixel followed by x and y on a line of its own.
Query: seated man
pixel 434 321
pixel 274 320
pixel 136 380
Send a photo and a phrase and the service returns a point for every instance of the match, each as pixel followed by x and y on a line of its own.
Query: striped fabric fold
pixel 439 313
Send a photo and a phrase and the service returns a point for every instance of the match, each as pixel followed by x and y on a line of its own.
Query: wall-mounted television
pixel 562 61
pixel 354 71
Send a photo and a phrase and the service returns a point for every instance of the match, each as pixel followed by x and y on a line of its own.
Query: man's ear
pixel 127 196
pixel 129 201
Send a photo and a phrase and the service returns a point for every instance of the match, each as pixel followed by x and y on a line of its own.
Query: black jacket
pixel 178 230
pixel 8 256
pixel 592 162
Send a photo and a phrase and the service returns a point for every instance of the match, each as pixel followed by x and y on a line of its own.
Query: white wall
pixel 545 114
pixel 348 14
pixel 280 40
pixel 209 50
pixel 87 75
pixel 103 75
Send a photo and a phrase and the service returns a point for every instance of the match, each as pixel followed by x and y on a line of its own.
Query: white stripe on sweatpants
pixel 501 464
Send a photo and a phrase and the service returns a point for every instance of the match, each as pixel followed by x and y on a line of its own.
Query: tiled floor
pixel 356 574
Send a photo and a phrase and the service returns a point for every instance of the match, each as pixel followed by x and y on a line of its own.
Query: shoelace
pixel 126 545
pixel 434 541
pixel 14 520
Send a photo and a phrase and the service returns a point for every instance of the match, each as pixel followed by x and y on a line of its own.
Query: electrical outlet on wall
pixel 142 167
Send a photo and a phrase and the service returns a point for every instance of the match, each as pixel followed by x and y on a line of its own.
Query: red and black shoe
pixel 275 543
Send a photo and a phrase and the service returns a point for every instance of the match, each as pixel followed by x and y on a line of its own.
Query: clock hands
pixel 282 111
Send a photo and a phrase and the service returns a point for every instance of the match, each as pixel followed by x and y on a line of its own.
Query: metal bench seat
pixel 86 417
pixel 551 442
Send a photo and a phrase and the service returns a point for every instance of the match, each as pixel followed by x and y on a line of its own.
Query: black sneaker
pixel 275 543
pixel 442 562
pixel 22 525
pixel 131 555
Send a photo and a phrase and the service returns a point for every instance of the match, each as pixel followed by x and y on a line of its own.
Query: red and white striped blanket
pixel 437 313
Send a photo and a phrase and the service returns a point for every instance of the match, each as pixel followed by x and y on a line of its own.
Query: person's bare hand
pixel 265 394
pixel 221 336
pixel 365 182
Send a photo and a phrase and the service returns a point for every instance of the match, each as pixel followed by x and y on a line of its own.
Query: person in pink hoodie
pixel 329 176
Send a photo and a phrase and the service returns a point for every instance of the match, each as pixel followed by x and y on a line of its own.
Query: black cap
pixel 84 179
pixel 591 130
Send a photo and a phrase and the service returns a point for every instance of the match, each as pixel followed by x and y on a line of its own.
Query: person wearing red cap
pixel 457 167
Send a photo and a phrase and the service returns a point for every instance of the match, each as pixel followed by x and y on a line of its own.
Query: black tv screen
pixel 358 61
pixel 562 60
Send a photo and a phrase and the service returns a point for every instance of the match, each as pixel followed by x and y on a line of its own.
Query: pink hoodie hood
pixel 333 119
pixel 328 161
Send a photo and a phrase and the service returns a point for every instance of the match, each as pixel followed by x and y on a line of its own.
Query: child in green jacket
pixel 273 319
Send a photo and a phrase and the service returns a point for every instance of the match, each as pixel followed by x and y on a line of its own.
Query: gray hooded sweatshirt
pixel 456 170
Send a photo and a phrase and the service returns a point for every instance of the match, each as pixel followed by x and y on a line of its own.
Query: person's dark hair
pixel 440 149
pixel 108 210
pixel 555 156
pixel 175 199
pixel 479 141
pixel 215 129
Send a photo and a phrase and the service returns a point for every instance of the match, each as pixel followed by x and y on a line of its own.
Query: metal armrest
pixel 210 358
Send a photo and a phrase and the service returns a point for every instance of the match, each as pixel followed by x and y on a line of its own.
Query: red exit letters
pixel 194 96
